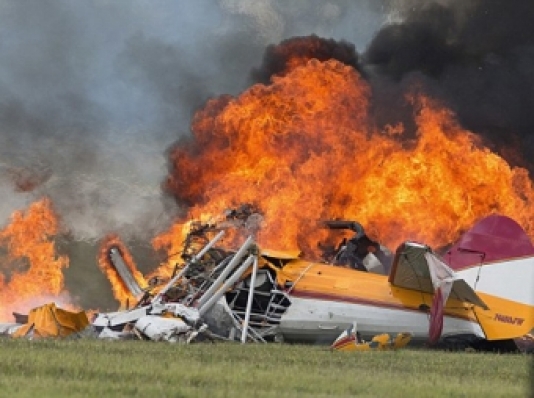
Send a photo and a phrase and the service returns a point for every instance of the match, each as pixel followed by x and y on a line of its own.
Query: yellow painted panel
pixel 505 319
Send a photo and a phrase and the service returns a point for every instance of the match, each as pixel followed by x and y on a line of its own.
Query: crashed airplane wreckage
pixel 478 294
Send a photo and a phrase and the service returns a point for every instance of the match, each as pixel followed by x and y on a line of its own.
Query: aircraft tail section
pixel 507 288
pixel 496 258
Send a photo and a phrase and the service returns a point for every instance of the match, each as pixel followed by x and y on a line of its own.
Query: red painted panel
pixel 492 239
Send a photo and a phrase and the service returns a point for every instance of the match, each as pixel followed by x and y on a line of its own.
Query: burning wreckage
pixel 477 294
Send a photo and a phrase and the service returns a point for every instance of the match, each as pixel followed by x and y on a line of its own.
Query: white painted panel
pixel 313 317
pixel 512 280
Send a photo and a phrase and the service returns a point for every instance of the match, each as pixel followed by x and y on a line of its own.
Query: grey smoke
pixel 94 92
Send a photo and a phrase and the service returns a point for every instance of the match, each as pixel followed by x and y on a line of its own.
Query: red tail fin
pixel 492 239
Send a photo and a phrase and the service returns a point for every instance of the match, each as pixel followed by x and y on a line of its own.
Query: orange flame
pixel 120 290
pixel 303 149
pixel 31 269
pixel 172 242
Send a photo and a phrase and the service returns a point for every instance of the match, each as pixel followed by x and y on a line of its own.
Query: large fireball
pixel 304 149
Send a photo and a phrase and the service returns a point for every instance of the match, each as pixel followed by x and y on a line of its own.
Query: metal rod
pixel 124 272
pixel 253 332
pixel 210 244
pixel 217 283
pixel 244 332
pixel 195 258
pixel 230 281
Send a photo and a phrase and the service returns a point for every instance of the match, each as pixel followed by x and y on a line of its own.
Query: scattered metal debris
pixel 253 295
pixel 351 340
pixel 47 321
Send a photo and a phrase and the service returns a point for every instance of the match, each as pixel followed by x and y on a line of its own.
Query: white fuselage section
pixel 321 321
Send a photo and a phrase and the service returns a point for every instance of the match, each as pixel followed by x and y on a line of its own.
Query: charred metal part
pixel 359 252
pixel 126 275
pixel 268 305
pixel 253 306
pixel 20 318
pixel 211 298
pixel 351 225
pixel 246 217
pixel 194 260
pixel 242 212
pixel 229 268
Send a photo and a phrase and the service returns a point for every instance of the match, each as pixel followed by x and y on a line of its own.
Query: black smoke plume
pixel 276 57
pixel 477 56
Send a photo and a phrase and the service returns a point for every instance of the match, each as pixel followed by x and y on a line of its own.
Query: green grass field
pixel 96 368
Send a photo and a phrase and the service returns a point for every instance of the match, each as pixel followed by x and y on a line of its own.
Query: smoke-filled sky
pixel 476 55
pixel 92 93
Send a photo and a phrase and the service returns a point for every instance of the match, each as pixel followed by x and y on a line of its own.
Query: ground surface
pixel 95 368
